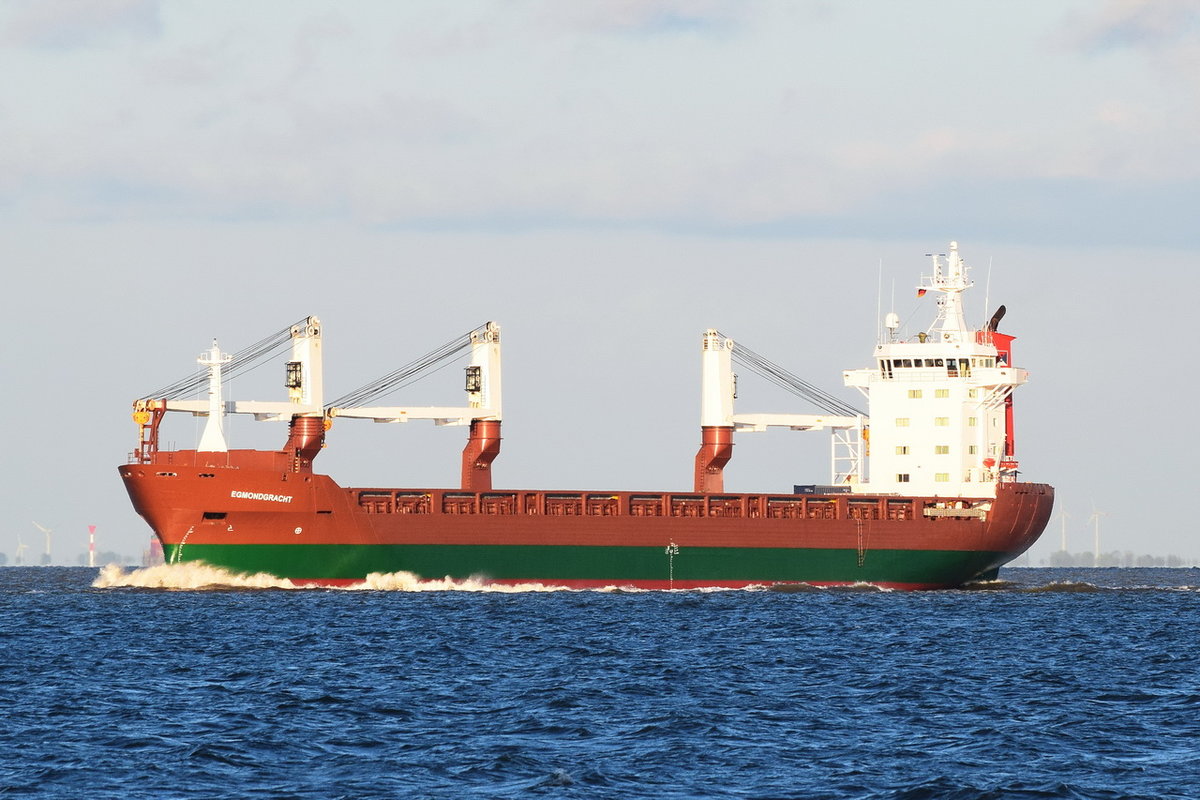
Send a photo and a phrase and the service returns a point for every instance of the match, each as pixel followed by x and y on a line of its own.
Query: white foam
pixel 191 576
pixel 410 582
pixel 196 576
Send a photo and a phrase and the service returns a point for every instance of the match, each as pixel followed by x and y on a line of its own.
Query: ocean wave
pixel 861 696
pixel 996 585
pixel 1067 587
pixel 1083 587
pixel 947 788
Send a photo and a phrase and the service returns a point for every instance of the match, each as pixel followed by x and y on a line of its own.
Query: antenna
pixel 892 322
pixel 879 304
pixel 987 291
pixel 48 532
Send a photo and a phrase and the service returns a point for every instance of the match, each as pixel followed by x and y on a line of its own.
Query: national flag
pixel 920 292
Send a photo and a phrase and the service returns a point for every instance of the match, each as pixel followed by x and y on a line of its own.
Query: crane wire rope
pixel 791 382
pixel 419 368
pixel 243 361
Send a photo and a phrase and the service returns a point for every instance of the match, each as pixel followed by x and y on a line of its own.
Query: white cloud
pixel 646 16
pixel 1133 23
pixel 547 113
pixel 80 23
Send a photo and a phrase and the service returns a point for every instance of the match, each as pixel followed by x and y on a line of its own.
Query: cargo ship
pixel 923 490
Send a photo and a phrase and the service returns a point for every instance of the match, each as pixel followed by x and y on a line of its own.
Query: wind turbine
pixel 1094 519
pixel 21 548
pixel 1063 516
pixel 47 531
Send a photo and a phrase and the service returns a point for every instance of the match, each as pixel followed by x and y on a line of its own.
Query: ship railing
pixel 983 376
pixel 618 504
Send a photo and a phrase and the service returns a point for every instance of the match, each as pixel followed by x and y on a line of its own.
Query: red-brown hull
pixel 261 515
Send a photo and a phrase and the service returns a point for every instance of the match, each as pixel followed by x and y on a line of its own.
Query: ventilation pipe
pixel 483 445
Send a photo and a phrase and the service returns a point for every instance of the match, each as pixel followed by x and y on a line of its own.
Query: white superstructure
pixel 940 401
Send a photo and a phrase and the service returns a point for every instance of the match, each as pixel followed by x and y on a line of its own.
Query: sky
pixel 605 180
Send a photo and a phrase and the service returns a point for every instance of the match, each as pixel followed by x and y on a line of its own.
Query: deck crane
pixel 303 411
pixel 483 412
pixel 718 420
pixel 309 417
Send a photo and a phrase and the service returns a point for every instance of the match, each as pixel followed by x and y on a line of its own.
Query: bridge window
pixel 902 477
pixel 914 393
pixel 941 450
pixel 941 392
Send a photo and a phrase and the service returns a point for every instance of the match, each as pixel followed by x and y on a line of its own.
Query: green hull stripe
pixel 547 563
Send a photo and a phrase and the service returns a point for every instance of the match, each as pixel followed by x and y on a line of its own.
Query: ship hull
pixel 258 518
